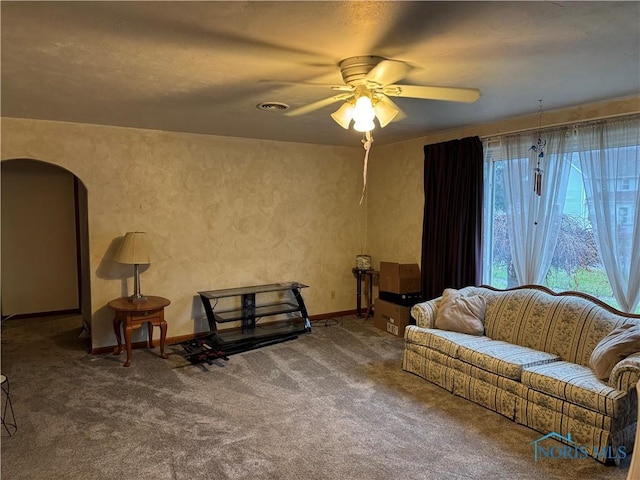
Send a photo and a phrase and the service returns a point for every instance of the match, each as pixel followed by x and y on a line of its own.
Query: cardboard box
pixel 390 317
pixel 399 277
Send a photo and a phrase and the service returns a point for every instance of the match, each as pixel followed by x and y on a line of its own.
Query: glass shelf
pixel 260 311
pixel 264 332
pixel 237 292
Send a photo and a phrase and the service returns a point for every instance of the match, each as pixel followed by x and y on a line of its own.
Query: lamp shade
pixel 134 249
pixel 385 113
pixel 343 115
pixel 363 115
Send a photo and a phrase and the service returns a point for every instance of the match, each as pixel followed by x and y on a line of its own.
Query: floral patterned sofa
pixel 532 365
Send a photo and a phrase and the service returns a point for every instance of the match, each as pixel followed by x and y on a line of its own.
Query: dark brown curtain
pixel 452 227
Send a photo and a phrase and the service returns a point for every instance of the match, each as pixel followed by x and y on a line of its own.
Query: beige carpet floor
pixel 334 404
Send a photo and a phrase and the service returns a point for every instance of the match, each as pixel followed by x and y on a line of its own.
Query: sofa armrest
pixel 424 313
pixel 626 374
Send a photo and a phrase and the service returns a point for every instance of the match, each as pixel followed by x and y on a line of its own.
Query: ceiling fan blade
pixel 340 88
pixel 318 105
pixel 181 26
pixel 450 94
pixel 388 72
pixel 290 82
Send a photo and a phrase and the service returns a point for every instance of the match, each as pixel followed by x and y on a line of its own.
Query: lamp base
pixel 137 298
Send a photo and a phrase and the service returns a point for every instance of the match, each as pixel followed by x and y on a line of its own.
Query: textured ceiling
pixel 202 67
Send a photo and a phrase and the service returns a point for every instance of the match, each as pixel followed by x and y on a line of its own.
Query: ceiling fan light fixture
pixel 385 113
pixel 363 115
pixel 364 126
pixel 343 115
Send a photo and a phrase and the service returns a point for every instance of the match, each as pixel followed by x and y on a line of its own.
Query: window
pixel 575 261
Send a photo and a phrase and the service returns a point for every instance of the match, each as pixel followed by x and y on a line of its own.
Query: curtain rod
pixel 559 124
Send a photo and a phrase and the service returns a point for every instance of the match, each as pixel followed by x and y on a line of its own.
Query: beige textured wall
pixel 220 212
pixel 395 201
pixel 224 212
pixel 396 197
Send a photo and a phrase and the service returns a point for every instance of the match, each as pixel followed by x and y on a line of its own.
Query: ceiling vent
pixel 273 106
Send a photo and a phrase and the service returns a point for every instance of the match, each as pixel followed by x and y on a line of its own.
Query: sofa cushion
pixel 443 341
pixel 564 324
pixel 503 358
pixel 461 313
pixel 539 320
pixel 617 345
pixel 577 384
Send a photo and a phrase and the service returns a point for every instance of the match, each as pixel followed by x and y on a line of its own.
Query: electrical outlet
pixel 333 295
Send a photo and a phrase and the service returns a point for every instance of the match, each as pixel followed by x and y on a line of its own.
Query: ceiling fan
pixel 369 82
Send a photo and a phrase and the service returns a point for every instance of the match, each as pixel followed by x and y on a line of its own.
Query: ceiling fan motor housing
pixel 354 69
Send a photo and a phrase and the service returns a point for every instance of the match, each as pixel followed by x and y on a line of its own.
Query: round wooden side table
pixel 133 316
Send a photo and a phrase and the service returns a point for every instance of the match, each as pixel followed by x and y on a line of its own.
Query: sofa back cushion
pixel 618 345
pixel 461 313
pixel 566 325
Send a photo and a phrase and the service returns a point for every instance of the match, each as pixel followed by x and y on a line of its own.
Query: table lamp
pixel 134 251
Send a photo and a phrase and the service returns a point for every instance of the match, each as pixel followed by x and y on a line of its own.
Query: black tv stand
pixel 283 302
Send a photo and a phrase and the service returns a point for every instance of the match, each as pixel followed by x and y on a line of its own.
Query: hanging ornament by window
pixel 538 149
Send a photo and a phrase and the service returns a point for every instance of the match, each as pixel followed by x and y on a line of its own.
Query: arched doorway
pixel 45 242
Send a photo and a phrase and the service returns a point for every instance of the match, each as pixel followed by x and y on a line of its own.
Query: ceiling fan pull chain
pixel 366 143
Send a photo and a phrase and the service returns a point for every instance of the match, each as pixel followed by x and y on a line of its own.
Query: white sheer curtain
pixel 534 221
pixel 610 163
pixel 488 147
